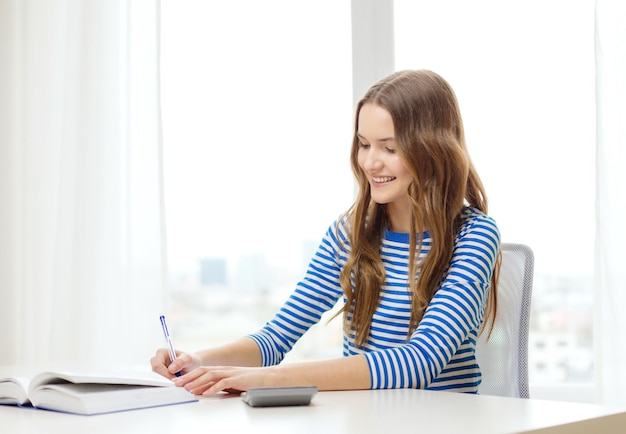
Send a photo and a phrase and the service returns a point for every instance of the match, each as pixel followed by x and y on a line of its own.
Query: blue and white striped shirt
pixel 440 352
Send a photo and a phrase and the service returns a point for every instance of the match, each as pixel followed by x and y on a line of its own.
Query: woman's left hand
pixel 209 380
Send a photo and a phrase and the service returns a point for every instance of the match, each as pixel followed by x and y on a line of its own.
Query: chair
pixel 503 357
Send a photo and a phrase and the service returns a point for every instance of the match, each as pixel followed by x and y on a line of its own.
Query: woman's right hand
pixel 184 363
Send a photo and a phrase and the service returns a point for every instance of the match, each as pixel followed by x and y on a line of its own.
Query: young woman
pixel 415 260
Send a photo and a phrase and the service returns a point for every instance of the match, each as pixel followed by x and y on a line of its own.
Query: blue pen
pixel 170 347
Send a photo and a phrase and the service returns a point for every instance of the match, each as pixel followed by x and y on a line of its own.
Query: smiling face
pixel 379 159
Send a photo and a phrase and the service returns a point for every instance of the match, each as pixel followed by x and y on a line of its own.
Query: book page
pixel 13 390
pixel 142 378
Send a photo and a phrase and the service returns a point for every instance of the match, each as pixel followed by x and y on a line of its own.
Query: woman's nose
pixel 372 161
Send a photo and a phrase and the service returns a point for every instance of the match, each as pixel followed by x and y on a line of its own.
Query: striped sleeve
pixel 317 293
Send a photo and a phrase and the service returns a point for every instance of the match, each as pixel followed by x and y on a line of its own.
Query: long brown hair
pixel 430 139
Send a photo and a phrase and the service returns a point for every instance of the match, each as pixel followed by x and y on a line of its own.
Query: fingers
pixel 183 361
pixel 207 381
pixel 160 363
pixel 195 381
pixel 224 385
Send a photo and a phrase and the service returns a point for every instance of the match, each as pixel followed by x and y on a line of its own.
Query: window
pixel 257 123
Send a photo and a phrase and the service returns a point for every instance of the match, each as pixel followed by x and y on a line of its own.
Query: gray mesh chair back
pixel 503 357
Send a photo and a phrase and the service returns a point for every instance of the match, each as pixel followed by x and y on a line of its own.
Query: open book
pixel 88 393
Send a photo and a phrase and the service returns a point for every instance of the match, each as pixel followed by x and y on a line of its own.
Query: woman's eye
pixel 364 145
pixel 391 150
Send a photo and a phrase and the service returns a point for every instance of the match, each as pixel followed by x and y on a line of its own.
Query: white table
pixel 382 411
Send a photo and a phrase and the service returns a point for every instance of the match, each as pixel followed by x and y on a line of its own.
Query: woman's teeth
pixel 383 179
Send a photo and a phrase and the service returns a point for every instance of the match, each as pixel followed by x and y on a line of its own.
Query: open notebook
pixel 91 392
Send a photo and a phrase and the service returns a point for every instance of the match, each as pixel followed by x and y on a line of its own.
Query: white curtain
pixel 610 311
pixel 82 268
